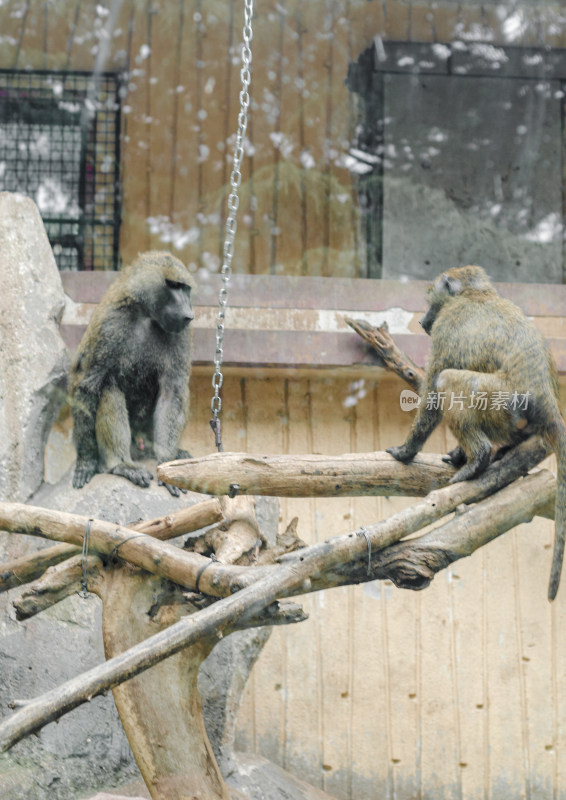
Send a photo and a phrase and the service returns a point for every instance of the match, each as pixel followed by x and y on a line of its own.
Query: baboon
pixel 484 347
pixel 129 382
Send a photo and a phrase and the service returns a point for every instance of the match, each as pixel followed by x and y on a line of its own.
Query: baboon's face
pixel 173 310
pixel 438 294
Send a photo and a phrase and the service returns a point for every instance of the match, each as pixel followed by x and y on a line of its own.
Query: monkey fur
pixel 482 342
pixel 130 376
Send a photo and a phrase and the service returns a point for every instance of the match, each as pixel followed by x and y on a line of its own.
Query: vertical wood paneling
pixel 316 33
pixel 397 20
pixel 183 206
pixel 265 418
pixel 370 696
pixel 79 46
pixel 332 606
pixel 302 746
pixel 134 236
pixel 467 653
pixel 531 559
pixel 421 28
pixel 11 32
pixel 444 22
pixel 30 39
pixel 277 217
pixel 505 702
pixel 56 32
pixel 339 240
pixel 214 118
pixel 161 67
pixel 556 748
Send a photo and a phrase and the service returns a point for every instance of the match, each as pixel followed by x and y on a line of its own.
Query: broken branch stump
pixel 392 356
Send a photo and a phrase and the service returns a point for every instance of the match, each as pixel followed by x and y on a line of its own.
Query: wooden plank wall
pixel 456 692
pixel 298 211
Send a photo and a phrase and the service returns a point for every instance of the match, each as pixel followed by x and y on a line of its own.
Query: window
pixel 460 153
pixel 59 144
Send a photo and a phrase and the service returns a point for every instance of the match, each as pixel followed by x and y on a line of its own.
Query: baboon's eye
pixel 175 284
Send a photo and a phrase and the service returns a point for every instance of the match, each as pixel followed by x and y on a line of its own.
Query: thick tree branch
pixel 50 589
pixel 308 569
pixel 112 540
pixel 29 567
pixel 412 564
pixel 347 475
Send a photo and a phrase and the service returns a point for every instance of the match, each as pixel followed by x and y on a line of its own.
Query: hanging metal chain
pixel 231 224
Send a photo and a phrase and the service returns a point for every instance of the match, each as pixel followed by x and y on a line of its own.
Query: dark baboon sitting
pixel 130 376
pixel 484 348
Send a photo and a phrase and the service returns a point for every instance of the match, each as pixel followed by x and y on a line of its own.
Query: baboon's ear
pixel 452 285
pixel 481 283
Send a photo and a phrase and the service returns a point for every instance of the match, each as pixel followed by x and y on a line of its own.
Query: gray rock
pixel 33 357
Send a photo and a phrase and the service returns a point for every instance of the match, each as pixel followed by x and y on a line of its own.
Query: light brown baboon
pixel 483 347
pixel 130 376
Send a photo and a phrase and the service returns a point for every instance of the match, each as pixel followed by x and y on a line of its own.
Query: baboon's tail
pixel 559 446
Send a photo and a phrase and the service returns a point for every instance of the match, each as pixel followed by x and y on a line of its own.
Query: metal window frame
pixel 455 59
pixel 91 102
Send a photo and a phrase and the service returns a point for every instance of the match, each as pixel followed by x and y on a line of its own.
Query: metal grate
pixel 59 144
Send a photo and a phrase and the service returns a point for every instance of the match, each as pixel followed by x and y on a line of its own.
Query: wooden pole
pixel 347 475
pixel 31 566
pixel 106 538
pixel 293 576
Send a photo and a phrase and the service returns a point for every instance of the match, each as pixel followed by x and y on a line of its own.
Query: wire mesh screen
pixel 59 144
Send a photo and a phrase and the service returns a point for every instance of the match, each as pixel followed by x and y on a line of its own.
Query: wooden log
pixel 24 569
pixel 293 576
pixel 435 505
pixel 49 590
pixel 315 567
pixel 138 548
pixel 413 563
pixel 347 475
pixel 29 567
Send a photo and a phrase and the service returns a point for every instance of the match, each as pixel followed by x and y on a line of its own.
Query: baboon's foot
pixel 85 470
pixel 138 475
pixel 456 457
pixel 474 467
pixel 401 453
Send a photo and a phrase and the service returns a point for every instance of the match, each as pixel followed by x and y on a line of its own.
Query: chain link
pixel 231 223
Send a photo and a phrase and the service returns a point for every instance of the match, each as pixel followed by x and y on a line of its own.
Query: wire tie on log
pixel 114 552
pixel 84 563
pixel 213 559
pixel 363 532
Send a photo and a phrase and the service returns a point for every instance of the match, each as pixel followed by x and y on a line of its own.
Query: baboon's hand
pixel 175 491
pixel 401 453
pixel 84 471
